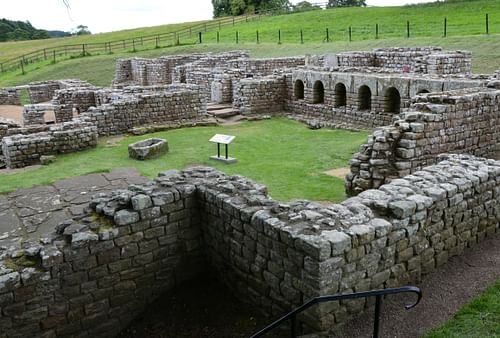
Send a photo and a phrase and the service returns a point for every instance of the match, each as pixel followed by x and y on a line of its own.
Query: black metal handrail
pixel 292 316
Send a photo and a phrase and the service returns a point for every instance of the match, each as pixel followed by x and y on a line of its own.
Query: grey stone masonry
pixel 462 121
pixel 95 273
pixel 426 60
pixel 260 95
pixel 141 106
pixel 34 114
pixel 10 96
pixel 23 150
pixel 70 101
pixel 44 91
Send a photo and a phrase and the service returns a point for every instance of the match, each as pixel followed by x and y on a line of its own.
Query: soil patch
pixel 338 172
pixel 12 112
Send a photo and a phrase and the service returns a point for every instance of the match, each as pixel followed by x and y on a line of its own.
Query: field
pixel 286 156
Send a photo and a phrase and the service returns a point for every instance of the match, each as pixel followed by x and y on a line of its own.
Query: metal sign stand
pixel 225 140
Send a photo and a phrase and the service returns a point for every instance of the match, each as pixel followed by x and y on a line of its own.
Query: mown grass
pixel 284 155
pixel 478 319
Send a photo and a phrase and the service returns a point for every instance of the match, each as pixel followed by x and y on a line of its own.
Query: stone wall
pixel 264 67
pixel 426 60
pixel 44 91
pixel 34 114
pixel 464 121
pixel 71 101
pixel 22 150
pixel 141 106
pixel 260 95
pixel 98 272
pixel 166 69
pixel 10 96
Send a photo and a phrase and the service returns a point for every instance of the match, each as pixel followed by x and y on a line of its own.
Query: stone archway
pixel 340 95
pixel 298 90
pixel 318 92
pixel 392 101
pixel 364 98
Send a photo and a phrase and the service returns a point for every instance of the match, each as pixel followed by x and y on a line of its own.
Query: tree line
pixel 239 7
pixel 19 30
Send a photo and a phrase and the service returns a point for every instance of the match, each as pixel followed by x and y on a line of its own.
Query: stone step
pixel 218 106
pixel 224 113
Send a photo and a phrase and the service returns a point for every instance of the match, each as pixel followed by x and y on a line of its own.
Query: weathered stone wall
pixel 10 96
pixel 22 150
pixel 464 121
pixel 166 69
pixel 98 272
pixel 426 60
pixel 44 91
pixel 34 114
pixel 344 110
pixel 260 95
pixel 73 100
pixel 140 106
pixel 264 67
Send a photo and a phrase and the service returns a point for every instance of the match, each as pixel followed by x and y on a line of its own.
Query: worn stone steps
pixel 221 110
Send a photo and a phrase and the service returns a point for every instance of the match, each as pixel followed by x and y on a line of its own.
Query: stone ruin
pixel 414 208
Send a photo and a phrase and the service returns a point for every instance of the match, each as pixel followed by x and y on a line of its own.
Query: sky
pixel 112 15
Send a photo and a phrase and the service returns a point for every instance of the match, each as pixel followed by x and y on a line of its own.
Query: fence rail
pixel 185 35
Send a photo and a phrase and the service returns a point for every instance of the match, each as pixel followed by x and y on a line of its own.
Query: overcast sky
pixel 112 15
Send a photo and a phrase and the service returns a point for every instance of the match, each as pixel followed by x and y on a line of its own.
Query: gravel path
pixel 454 284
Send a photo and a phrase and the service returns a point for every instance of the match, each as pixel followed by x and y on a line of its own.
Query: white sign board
pixel 222 139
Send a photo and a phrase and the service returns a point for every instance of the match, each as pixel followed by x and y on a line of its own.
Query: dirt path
pixel 12 112
pixel 444 292
pixel 338 172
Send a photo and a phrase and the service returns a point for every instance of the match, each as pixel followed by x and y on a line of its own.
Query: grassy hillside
pixel 100 69
pixel 13 49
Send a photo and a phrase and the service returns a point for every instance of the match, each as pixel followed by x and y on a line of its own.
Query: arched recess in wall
pixel 392 101
pixel 298 90
pixel 318 92
pixel 340 95
pixel 364 98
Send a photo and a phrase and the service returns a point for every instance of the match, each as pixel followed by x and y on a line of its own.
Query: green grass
pixel 478 319
pixel 100 69
pixel 284 155
pixel 466 28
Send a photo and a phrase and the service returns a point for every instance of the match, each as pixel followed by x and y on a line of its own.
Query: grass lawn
pixel 478 319
pixel 284 155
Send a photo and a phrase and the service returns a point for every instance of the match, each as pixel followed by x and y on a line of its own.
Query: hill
pixel 465 30
pixel 19 30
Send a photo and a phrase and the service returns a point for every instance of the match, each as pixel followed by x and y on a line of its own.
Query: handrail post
pixel 376 319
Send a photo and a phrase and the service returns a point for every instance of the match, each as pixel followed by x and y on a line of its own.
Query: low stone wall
pixel 264 67
pixel 261 95
pixel 10 96
pixel 426 60
pixel 140 106
pixel 97 273
pixel 68 101
pixel 43 91
pixel 465 121
pixel 22 150
pixel 34 114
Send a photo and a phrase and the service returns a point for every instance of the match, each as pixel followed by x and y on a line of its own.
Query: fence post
pixel 54 55
pixel 199 36
pixel 237 37
pixel 257 36
pixel 301 36
pixel 376 31
pixel 217 36
pixel 83 49
pixel 22 67
pixel 133 45
pixel 233 20
pixel 445 24
pixel 109 47
pixel 156 42
pixel 408 29
pixel 487 24
pixel 279 36
pixel 327 35
pixel 350 34
pixel 1 67
pixel 44 54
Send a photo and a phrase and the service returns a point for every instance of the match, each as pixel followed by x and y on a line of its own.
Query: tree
pixel 81 30
pixel 346 3
pixel 304 6
pixel 239 7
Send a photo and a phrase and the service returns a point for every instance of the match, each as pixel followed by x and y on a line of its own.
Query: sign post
pixel 225 140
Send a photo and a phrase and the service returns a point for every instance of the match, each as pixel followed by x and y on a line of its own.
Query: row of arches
pixel 392 97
